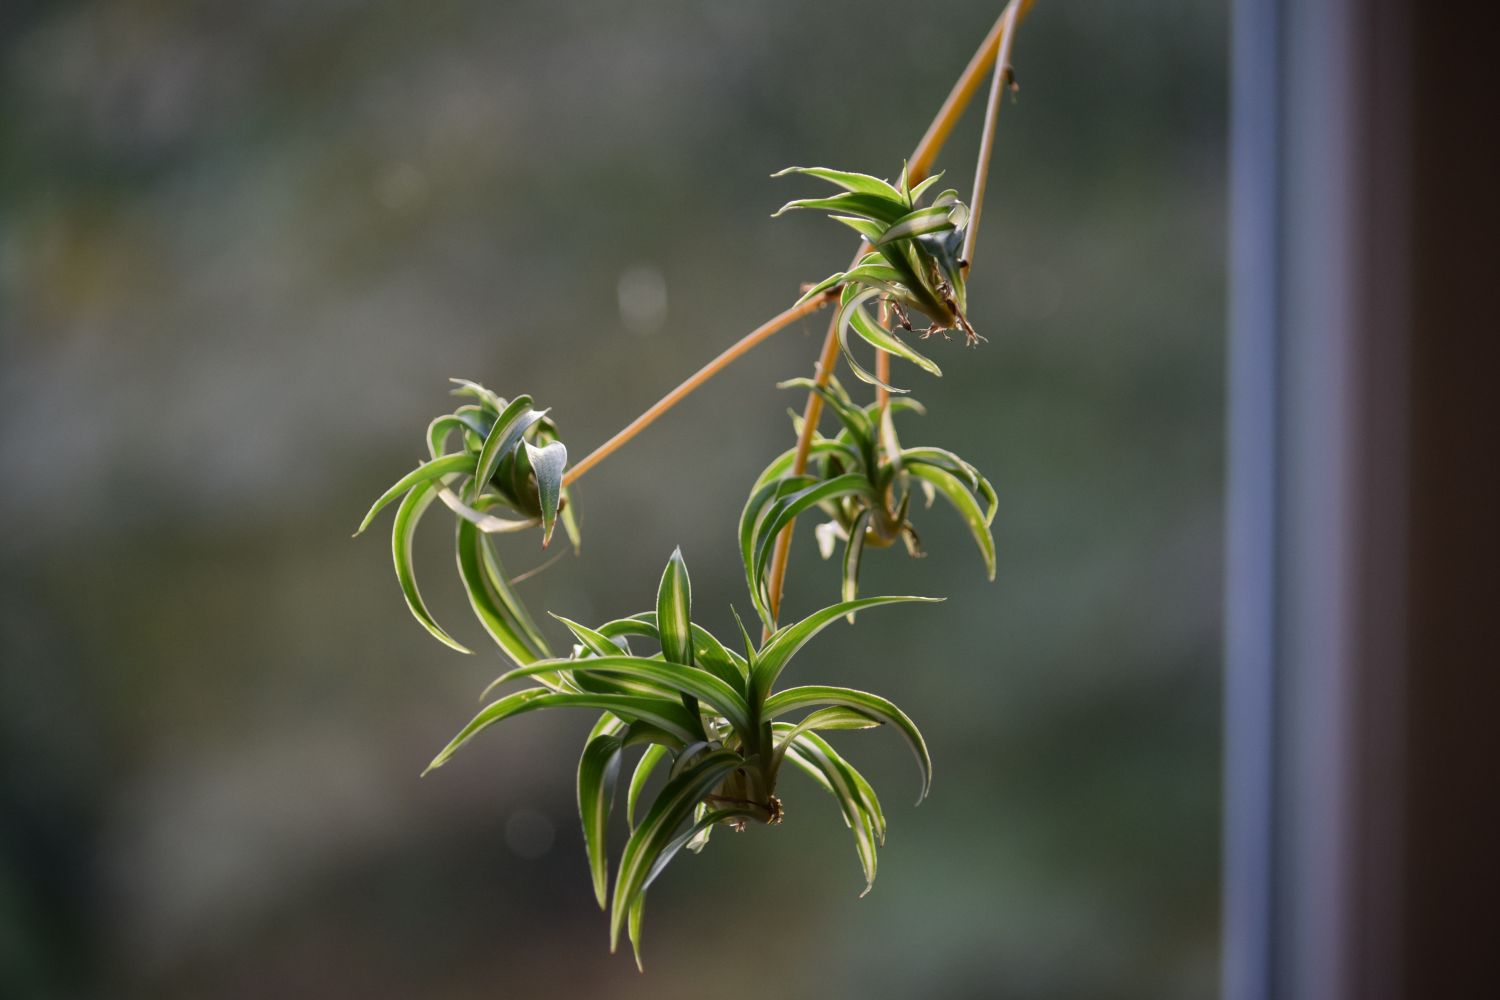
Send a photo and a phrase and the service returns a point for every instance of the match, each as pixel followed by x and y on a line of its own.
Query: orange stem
pixel 917 169
pixel 708 371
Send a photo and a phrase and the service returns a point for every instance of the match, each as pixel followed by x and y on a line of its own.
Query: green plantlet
pixel 916 262
pixel 714 717
pixel 863 483
pixel 508 458
pixel 714 723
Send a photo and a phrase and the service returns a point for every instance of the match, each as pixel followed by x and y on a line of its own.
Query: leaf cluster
pixel 487 456
pixel 711 720
pixel 862 479
pixel 915 261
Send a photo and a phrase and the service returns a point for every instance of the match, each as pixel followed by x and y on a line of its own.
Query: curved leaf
pixel 466 419
pixel 487 523
pixel 503 437
pixel 846 791
pixel 699 684
pixel 876 208
pixel 872 705
pixel 673 805
pixel 643 768
pixel 477 391
pixel 786 509
pixel 785 642
pixel 445 465
pixel 674 604
pixel 598 770
pixel 494 604
pixel 847 180
pixel 667 715
pixel 919 222
pixel 407 515
pixel 547 463
pixel 755 511
pixel 953 489
pixel 852 315
pixel 868 800
pixel 854 549
pixel 835 717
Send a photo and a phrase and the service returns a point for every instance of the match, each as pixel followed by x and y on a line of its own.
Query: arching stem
pixel 917 169
pixel 702 375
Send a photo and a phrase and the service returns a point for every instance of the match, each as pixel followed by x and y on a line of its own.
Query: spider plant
pixel 915 261
pixel 507 458
pixel 713 718
pixel 863 483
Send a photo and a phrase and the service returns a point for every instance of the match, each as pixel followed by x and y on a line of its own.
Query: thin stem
pixel 987 137
pixel 959 97
pixel 883 368
pixel 708 371
pixel 917 169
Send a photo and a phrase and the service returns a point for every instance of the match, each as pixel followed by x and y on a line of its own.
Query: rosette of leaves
pixel 862 478
pixel 712 723
pixel 915 261
pixel 498 465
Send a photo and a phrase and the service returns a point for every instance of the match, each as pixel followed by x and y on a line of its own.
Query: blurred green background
pixel 243 246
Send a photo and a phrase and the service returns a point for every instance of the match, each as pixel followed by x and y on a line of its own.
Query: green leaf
pixel 832 281
pixel 948 462
pixel 836 717
pixel 699 684
pixel 425 473
pixel 673 805
pixel 921 189
pixel 503 437
pixel 703 822
pixel 647 764
pixel 598 771
pixel 847 180
pixel 750 653
pixel 494 604
pixel 785 642
pixel 674 603
pixel 917 223
pixel 852 316
pixel 847 793
pixel 868 800
pixel 407 515
pixel 476 515
pixel 762 496
pixel 468 419
pixel 853 553
pixel 855 203
pixel 477 391
pixel 708 652
pixel 637 909
pixel 963 501
pixel 547 463
pixel 872 705
pixel 867 228
pixel 595 642
pixel 861 428
pixel 666 715
pixel 712 655
pixel 785 510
